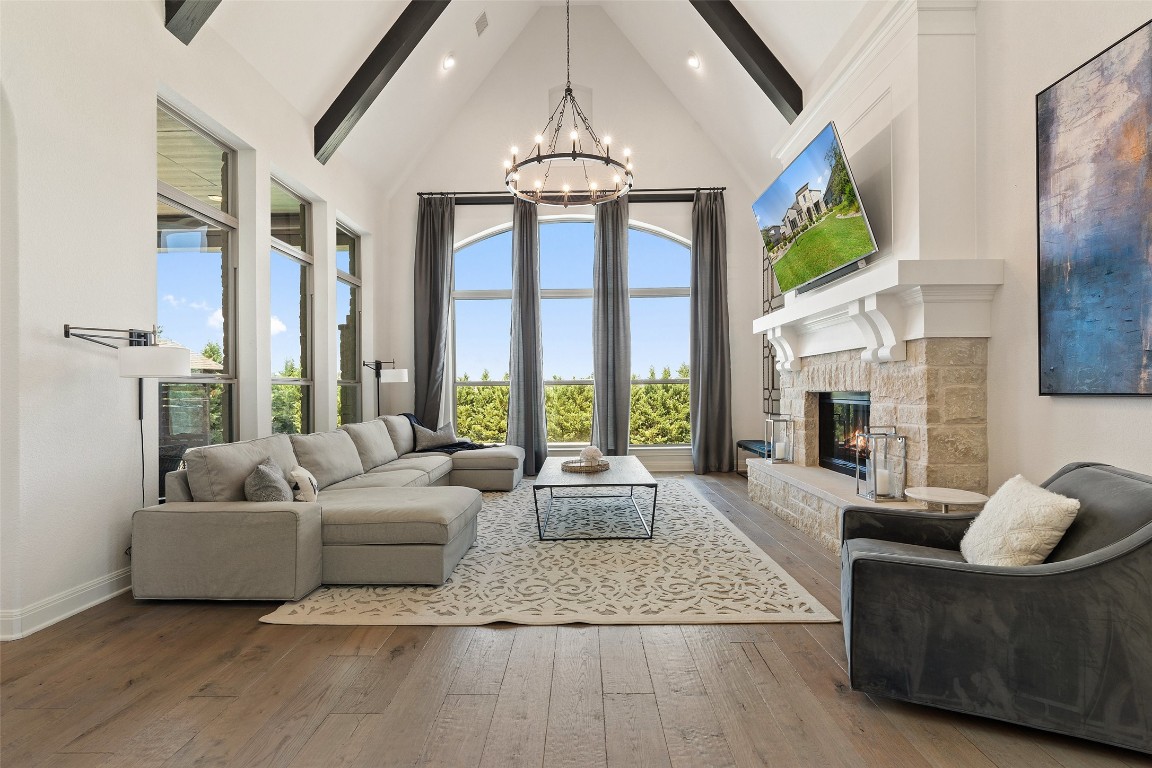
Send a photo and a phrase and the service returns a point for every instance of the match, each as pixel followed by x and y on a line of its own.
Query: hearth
pixel 843 420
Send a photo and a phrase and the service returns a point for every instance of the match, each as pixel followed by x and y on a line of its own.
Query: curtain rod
pixel 633 192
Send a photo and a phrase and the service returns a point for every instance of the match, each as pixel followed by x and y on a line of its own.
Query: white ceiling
pixel 308 50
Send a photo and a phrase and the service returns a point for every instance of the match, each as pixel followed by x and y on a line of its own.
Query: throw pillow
pixel 305 486
pixel 426 438
pixel 1020 525
pixel 267 483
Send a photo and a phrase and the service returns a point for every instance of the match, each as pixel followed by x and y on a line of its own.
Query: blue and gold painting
pixel 1094 186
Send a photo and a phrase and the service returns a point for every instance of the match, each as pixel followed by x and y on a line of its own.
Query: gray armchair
pixel 1065 646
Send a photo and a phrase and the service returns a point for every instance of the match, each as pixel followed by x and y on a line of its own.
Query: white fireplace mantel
pixel 883 306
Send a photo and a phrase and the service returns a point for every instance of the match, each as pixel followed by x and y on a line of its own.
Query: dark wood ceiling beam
pixel 374 74
pixel 765 69
pixel 184 18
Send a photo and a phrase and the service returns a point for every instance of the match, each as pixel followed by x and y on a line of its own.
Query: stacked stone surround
pixel 936 398
pixel 818 517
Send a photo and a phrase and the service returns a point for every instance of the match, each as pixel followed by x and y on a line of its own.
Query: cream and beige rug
pixel 698 569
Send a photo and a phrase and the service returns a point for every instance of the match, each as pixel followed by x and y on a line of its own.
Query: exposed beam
pixel 753 55
pixel 374 74
pixel 183 18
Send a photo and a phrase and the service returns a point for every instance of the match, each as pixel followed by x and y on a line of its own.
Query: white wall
pixel 78 98
pixel 1022 48
pixel 936 106
pixel 631 104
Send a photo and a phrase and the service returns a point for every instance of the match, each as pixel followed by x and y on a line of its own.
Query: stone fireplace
pixel 918 350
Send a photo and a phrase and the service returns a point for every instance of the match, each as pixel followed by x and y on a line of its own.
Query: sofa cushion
pixel 497 457
pixel 399 478
pixel 400 429
pixel 426 438
pixel 267 483
pixel 1114 504
pixel 365 516
pixel 1020 525
pixel 218 472
pixel 435 465
pixel 373 442
pixel 330 456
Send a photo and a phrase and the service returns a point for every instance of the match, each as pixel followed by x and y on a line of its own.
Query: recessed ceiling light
pixel 449 61
pixel 216 198
pixel 693 60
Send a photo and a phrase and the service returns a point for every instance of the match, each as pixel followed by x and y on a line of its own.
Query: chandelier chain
pixel 605 177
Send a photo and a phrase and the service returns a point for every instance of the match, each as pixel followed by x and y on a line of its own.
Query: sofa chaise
pixel 383 514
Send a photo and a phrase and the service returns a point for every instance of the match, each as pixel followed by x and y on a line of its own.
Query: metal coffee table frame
pixel 542 520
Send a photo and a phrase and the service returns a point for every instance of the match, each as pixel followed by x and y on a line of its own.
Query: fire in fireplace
pixel 843 421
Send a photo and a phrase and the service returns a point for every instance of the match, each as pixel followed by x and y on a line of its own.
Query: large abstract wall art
pixel 1094 189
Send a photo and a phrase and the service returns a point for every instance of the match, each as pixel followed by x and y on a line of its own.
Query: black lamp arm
pixel 134 336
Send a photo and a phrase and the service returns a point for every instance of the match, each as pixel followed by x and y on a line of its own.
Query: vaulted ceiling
pixel 309 49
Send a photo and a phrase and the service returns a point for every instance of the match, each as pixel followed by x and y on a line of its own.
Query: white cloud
pixel 278 325
pixel 171 300
pixel 216 319
pixel 200 305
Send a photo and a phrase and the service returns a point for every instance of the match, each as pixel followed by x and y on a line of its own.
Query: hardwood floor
pixel 132 685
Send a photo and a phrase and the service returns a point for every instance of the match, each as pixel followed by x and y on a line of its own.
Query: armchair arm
pixel 1060 646
pixel 905 526
pixel 230 550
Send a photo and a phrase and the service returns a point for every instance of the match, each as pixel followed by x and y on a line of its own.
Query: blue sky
pixel 809 168
pixel 189 297
pixel 189 301
pixel 188 289
pixel 659 326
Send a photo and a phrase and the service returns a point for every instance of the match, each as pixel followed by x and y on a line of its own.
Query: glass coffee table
pixel 623 472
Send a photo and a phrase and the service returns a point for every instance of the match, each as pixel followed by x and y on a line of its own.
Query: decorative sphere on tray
pixel 591 454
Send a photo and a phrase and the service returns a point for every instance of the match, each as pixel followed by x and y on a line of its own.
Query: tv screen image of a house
pixel 811 218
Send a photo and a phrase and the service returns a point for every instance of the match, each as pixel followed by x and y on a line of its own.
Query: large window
pixel 290 266
pixel 482 298
pixel 347 326
pixel 195 229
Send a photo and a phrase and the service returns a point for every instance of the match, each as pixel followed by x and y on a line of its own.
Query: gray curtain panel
pixel 432 296
pixel 611 333
pixel 526 427
pixel 710 377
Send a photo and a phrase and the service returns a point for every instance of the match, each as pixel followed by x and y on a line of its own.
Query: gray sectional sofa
pixel 383 515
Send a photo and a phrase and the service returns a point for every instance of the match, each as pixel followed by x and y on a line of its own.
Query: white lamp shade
pixel 152 362
pixel 393 375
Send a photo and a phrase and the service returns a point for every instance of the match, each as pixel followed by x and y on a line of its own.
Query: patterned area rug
pixel 698 569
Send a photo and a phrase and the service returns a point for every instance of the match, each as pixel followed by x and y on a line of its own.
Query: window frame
pixel 303 257
pixel 562 293
pixel 356 284
pixel 227 222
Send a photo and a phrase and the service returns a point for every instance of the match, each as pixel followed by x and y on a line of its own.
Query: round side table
pixel 945 496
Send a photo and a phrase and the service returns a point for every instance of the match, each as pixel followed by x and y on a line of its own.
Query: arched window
pixel 658 267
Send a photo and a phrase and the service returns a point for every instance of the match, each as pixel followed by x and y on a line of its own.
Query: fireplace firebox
pixel 843 420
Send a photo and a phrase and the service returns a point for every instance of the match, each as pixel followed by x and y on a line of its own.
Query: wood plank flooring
pixel 168 684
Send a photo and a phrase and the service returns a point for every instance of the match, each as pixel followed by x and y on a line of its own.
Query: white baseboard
pixel 15 624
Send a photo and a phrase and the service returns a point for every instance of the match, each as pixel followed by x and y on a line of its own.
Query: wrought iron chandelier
pixel 585 175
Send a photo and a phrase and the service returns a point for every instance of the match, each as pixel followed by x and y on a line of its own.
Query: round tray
pixel 579 465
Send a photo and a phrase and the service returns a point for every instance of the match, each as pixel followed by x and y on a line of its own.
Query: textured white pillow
pixel 1020 525
pixel 305 486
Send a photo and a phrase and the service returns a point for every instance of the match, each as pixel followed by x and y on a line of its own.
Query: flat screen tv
pixel 811 218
